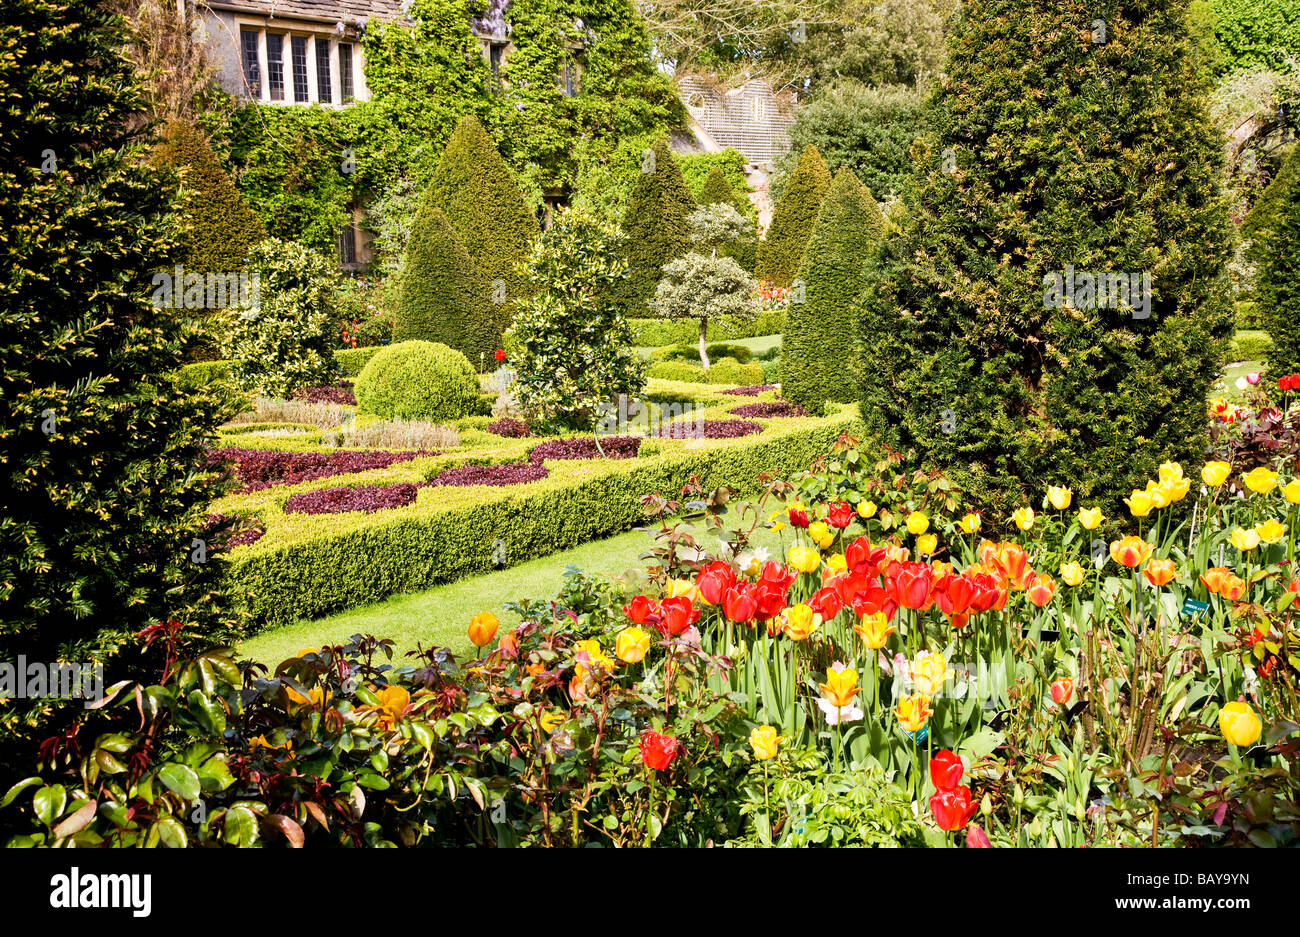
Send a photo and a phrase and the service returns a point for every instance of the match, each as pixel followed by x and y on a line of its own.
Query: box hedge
pixel 655 333
pixel 312 566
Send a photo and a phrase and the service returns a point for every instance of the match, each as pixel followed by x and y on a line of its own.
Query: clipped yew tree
pixel 1278 287
pixel 656 225
pixel 717 190
pixel 443 296
pixel 478 195
pixel 570 345
pixel 819 347
pixel 781 251
pixel 101 454
pixel 222 226
pixel 1059 151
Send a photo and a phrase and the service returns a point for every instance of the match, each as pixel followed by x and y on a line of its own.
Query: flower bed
pixel 508 427
pixel 511 473
pixel 752 391
pixel 259 469
pixel 365 498
pixel 709 429
pixel 340 393
pixel 587 447
pixel 776 408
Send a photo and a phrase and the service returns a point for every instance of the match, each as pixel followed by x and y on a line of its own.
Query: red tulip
pixel 976 838
pixel 678 615
pixel 1284 383
pixel 714 580
pixel 778 574
pixel 797 518
pixel 952 807
pixel 1062 690
pixel 657 750
pixel 840 515
pixel 501 354
pixel 946 770
pixel 909 585
pixel 826 602
pixel 770 599
pixel 638 610
pixel 739 603
pixel 954 594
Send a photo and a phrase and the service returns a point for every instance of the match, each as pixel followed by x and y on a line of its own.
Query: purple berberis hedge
pixel 330 393
pixel 225 532
pixel 710 429
pixel 587 447
pixel 752 391
pixel 259 469
pixel 775 408
pixel 511 473
pixel 368 498
pixel 508 427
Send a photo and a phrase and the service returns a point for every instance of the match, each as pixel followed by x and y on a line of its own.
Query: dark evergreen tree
pixel 1060 152
pixel 781 251
pixel 819 346
pixel 1278 250
pixel 657 225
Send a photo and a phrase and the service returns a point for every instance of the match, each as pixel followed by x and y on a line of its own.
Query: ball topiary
pixel 417 380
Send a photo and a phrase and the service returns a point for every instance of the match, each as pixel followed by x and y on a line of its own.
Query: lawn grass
pixel 439 616
pixel 1227 385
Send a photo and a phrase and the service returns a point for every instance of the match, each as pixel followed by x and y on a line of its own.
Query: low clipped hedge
pixel 723 371
pixel 715 351
pixel 1251 345
pixel 418 380
pixel 343 560
pixel 353 360
pixel 201 373
pixel 658 332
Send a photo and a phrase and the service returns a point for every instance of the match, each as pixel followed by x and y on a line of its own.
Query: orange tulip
pixel 1130 551
pixel 483 628
pixel 1042 590
pixel 1160 572
pixel 1014 561
pixel 1234 587
pixel 1213 578
pixel 912 712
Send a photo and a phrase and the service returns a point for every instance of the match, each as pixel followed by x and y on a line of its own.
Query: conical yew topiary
pixel 481 200
pixel 657 226
pixel 1278 287
pixel 718 190
pixel 1056 305
pixel 781 251
pixel 444 297
pixel 820 341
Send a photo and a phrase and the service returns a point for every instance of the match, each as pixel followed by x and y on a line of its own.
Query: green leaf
pixel 18 789
pixel 171 833
pixel 49 803
pixel 181 780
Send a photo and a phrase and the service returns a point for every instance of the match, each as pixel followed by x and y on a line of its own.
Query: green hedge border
pixel 309 566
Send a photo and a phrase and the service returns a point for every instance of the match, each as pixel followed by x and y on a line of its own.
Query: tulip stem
pixel 650 811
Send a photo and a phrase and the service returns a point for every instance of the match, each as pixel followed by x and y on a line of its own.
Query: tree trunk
pixel 704 332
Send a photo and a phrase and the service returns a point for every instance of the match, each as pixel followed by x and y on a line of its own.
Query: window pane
pixel 300 68
pixel 275 66
pixel 324 89
pixel 252 73
pixel 348 245
pixel 345 71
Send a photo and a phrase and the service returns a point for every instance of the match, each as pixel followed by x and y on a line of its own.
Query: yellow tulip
pixel 917 523
pixel 1170 471
pixel 393 702
pixel 316 696
pixel 1270 531
pixel 969 524
pixel 1260 480
pixel 632 644
pixel 926 544
pixel 799 621
pixel 1239 724
pixel 874 630
pixel 866 509
pixel 1215 474
pixel 804 559
pixel 1059 497
pixel 1071 574
pixel 1140 504
pixel 308 650
pixel 928 671
pixel 1024 517
pixel 552 721
pixel 1179 488
pixel 821 534
pixel 1244 540
pixel 841 686
pixel 1090 518
pixel 912 712
pixel 596 658
pixel 837 563
pixel 679 587
pixel 1159 496
pixel 1291 491
pixel 483 628
pixel 765 742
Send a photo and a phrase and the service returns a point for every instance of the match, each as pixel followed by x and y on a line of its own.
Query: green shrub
pixel 191 377
pixel 685 352
pixel 723 371
pixel 655 333
pixel 771 370
pixel 364 310
pixel 655 226
pixel 351 361
pixel 718 188
pixel 1248 315
pixel 1278 288
pixel 478 195
pixel 289 342
pixel 1259 227
pixel 339 561
pixel 820 340
pixel 570 345
pixel 1251 346
pixel 1250 34
pixel 417 380
pixel 707 173
pixel 99 447
pixel 970 362
pixel 444 298
pixel 781 251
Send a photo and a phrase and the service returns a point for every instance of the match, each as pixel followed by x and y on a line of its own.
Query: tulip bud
pixel 1018 795
pixel 1036 828
pixel 1080 809
pixel 986 805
